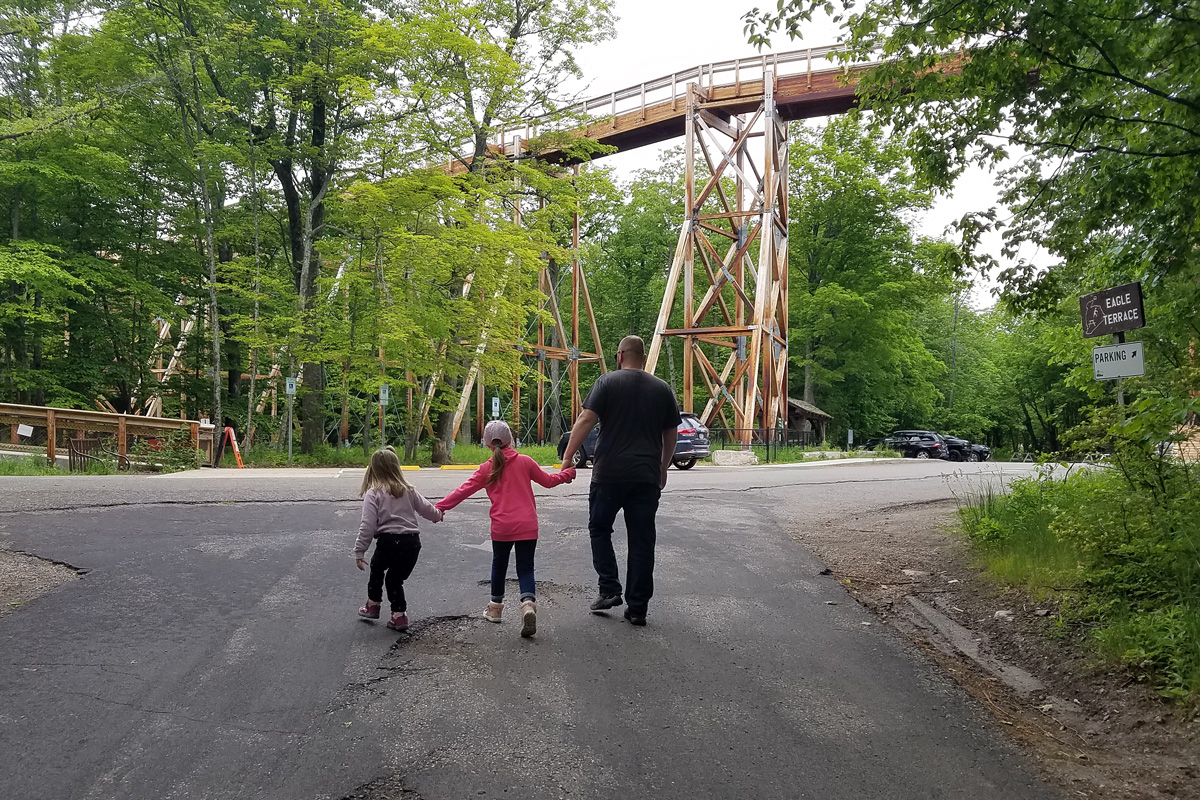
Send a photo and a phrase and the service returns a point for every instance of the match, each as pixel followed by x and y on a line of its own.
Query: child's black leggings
pixel 394 559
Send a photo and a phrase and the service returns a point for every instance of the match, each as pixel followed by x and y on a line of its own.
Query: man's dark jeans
pixel 640 502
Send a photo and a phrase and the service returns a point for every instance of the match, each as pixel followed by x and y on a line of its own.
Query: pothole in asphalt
pixel 438 633
pixel 24 577
pixel 546 590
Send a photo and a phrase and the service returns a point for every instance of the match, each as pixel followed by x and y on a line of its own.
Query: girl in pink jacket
pixel 506 476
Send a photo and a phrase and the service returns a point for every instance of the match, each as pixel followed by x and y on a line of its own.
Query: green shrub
pixel 1125 538
pixel 171 453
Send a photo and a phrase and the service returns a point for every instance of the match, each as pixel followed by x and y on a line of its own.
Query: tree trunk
pixel 443 440
pixel 809 389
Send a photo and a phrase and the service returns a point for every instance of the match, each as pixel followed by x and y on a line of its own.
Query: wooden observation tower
pixel 738 299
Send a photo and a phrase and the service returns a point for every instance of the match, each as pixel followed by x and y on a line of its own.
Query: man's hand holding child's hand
pixel 361 562
pixel 570 473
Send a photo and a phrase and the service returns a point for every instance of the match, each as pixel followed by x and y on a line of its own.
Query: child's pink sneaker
pixel 370 610
pixel 493 612
pixel 398 622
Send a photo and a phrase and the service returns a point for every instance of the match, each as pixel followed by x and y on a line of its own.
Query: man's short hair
pixel 633 346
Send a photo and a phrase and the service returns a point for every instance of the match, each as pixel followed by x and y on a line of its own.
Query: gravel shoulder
pixel 1091 730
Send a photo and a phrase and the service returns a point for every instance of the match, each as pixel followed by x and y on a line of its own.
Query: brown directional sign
pixel 1112 310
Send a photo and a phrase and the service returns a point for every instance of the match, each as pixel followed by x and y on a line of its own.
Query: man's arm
pixel 584 423
pixel 668 452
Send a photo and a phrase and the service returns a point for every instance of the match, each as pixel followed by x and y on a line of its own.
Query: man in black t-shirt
pixel 639 420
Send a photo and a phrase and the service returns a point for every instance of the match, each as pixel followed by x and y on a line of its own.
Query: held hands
pixel 361 563
pixel 569 472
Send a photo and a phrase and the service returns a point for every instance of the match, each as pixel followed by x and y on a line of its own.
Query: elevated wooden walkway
pixel 807 84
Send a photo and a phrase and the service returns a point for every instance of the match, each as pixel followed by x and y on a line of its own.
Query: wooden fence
pixel 41 428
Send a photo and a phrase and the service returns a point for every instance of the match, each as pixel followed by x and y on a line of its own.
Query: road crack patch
pixel 389 787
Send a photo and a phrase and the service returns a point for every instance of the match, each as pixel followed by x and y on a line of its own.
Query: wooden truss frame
pixel 569 349
pixel 749 298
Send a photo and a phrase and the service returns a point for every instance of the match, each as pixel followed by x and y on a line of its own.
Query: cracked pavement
pixel 212 650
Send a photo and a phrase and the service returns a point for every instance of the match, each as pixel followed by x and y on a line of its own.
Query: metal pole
pixel 291 397
pixel 382 426
pixel 1119 338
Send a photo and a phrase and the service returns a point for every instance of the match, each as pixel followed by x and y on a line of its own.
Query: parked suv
pixel 958 449
pixel 693 442
pixel 917 444
pixel 691 445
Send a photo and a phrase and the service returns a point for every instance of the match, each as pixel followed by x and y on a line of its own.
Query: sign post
pixel 850 438
pixel 383 401
pixel 1115 311
pixel 290 389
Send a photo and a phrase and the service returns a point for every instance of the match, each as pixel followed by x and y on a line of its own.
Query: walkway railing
pixel 33 429
pixel 763 441
pixel 672 89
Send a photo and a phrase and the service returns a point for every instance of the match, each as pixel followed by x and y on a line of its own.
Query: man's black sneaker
pixel 635 619
pixel 607 601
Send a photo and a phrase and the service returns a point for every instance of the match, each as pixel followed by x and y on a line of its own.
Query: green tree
pixel 859 280
pixel 1098 93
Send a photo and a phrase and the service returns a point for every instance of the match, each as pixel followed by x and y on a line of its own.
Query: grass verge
pixel 1120 548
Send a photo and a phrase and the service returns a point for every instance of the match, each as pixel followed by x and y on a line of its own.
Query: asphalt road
pixel 212 650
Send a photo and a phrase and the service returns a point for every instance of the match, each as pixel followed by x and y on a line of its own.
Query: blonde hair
pixel 497 462
pixel 383 472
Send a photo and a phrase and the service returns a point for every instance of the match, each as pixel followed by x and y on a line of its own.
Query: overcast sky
pixel 658 37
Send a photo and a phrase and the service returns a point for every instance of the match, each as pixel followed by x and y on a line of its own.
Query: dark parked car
pixel 692 444
pixel 917 444
pixel 963 450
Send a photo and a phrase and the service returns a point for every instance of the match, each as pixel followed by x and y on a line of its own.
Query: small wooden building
pixel 803 417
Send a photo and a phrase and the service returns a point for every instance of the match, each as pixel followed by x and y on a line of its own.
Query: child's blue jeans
pixel 500 550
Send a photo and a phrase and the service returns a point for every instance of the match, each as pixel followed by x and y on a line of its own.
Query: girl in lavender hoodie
pixel 506 477
pixel 389 517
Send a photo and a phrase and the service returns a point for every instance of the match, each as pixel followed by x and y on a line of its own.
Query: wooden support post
pixel 573 368
pixel 122 437
pixel 689 256
pixel 742 226
pixel 543 280
pixel 480 399
pixel 12 433
pixel 51 436
pixel 516 408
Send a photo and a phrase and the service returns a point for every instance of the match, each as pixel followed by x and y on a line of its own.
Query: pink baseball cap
pixel 495 430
